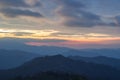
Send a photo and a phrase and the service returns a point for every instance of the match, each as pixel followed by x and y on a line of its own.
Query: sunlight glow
pixel 49 34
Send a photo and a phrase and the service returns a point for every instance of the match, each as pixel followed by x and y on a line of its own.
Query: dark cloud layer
pixel 117 20
pixel 84 19
pixel 21 33
pixel 10 8
pixel 9 12
pixel 73 11
pixel 71 3
pixel 12 3
pixel 18 44
pixel 16 3
pixel 75 15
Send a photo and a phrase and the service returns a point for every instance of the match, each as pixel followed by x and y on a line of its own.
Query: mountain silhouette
pixel 51 76
pixel 100 60
pixel 59 63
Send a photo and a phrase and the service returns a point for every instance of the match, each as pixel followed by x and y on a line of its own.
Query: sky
pixel 65 23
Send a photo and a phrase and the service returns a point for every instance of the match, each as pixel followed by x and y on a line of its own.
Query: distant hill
pixel 84 53
pixel 59 63
pixel 14 58
pixel 54 50
pixel 51 76
pixel 42 50
pixel 99 60
pixel 114 53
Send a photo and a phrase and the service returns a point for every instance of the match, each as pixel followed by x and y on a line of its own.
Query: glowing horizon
pixel 73 21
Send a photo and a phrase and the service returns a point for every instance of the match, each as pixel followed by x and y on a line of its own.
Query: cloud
pixel 49 41
pixel 12 3
pixel 77 44
pixel 17 3
pixel 75 14
pixel 12 8
pixel 22 44
pixel 72 13
pixel 85 19
pixel 117 20
pixel 9 12
pixel 54 34
pixel 70 3
pixel 22 33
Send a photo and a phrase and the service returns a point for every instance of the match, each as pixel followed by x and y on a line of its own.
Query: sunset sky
pixel 65 23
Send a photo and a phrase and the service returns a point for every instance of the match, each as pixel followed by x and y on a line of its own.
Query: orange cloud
pixel 79 44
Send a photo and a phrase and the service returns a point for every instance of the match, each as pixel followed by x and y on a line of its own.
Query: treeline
pixel 51 76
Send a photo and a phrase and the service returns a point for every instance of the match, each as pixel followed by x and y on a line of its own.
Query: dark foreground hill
pixel 60 63
pixel 51 76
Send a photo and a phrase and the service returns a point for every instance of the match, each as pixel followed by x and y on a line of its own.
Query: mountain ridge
pixel 100 60
pixel 63 64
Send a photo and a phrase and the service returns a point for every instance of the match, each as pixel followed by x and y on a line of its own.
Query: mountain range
pixel 54 50
pixel 59 63
pixel 13 58
pixel 99 60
